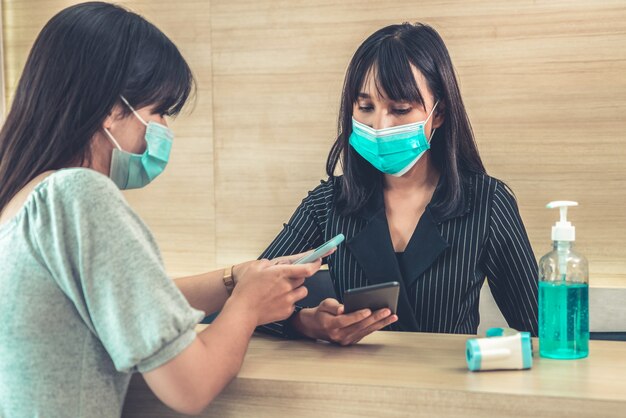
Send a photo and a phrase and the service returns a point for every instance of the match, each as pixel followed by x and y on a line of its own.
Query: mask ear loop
pixel 431 111
pixel 432 134
pixel 106 131
pixel 134 111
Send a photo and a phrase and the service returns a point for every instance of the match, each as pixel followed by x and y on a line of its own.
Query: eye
pixel 365 108
pixel 403 111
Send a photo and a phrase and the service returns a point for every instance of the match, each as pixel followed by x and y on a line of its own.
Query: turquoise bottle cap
pixel 472 354
pixel 527 350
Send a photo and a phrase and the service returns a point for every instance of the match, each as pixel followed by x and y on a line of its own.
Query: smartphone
pixel 375 297
pixel 321 250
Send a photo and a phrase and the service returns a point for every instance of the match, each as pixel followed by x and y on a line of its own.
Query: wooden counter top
pixel 406 374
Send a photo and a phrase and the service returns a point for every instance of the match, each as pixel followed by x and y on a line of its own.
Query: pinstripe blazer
pixel 444 264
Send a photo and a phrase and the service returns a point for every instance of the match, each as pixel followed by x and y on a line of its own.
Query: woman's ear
pixel 114 115
pixel 108 122
pixel 439 115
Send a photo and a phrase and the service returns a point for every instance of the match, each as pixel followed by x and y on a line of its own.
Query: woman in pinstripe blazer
pixel 438 227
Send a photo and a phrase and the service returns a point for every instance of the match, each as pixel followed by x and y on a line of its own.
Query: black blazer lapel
pixel 373 250
pixel 425 245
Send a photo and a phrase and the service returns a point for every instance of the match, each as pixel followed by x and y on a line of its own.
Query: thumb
pixel 331 306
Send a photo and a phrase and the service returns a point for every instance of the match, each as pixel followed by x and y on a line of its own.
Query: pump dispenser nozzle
pixel 563 230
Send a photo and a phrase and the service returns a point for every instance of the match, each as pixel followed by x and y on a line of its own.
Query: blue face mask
pixel 133 171
pixel 392 150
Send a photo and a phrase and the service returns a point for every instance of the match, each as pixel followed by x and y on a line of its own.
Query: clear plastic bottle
pixel 563 294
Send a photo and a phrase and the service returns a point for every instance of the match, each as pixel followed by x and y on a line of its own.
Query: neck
pixel 422 175
pixel 101 149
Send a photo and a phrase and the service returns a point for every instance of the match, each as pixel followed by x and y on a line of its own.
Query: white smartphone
pixel 321 250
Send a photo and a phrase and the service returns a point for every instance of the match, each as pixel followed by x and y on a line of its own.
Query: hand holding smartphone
pixel 321 250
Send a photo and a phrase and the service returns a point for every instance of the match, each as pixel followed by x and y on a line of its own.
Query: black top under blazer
pixel 444 264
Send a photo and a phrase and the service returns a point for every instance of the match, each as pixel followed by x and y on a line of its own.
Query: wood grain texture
pixel 543 82
pixel 179 205
pixel 400 374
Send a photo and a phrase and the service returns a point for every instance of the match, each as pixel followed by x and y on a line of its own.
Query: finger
pixel 297 294
pixel 290 259
pixel 295 257
pixel 347 320
pixel 294 283
pixel 287 259
pixel 376 326
pixel 357 327
pixel 298 270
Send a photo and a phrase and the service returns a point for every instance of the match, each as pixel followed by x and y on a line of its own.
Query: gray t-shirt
pixel 84 301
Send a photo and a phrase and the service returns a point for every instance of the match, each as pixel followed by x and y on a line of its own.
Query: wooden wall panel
pixel 543 82
pixel 179 205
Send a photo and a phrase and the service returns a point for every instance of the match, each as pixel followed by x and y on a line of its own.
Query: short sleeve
pixel 106 261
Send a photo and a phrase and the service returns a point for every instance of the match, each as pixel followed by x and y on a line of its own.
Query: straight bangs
pixel 390 65
pixel 160 77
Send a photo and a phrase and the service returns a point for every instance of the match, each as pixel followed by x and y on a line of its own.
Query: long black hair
pixel 391 51
pixel 85 57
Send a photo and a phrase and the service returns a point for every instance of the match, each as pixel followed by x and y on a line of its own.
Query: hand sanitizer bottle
pixel 563 294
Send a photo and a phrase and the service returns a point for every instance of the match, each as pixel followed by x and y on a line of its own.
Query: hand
pixel 328 322
pixel 268 291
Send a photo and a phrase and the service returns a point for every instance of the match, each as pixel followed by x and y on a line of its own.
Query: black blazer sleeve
pixel 511 267
pixel 303 232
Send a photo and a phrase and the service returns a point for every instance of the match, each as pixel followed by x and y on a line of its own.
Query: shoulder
pixel 495 199
pixel 487 190
pixel 320 201
pixel 325 191
pixel 83 180
pixel 329 185
pixel 82 190
pixel 489 196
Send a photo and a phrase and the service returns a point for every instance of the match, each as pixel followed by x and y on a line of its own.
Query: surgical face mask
pixel 133 171
pixel 393 150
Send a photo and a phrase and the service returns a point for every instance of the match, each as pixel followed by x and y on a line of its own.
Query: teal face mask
pixel 392 150
pixel 133 171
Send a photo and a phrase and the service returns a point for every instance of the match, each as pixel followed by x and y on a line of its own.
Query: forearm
pixel 264 293
pixel 226 341
pixel 205 292
pixel 190 381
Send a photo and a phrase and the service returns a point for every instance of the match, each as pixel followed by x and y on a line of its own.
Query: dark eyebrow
pixel 363 96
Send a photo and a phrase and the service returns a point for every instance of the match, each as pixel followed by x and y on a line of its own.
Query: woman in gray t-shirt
pixel 85 299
